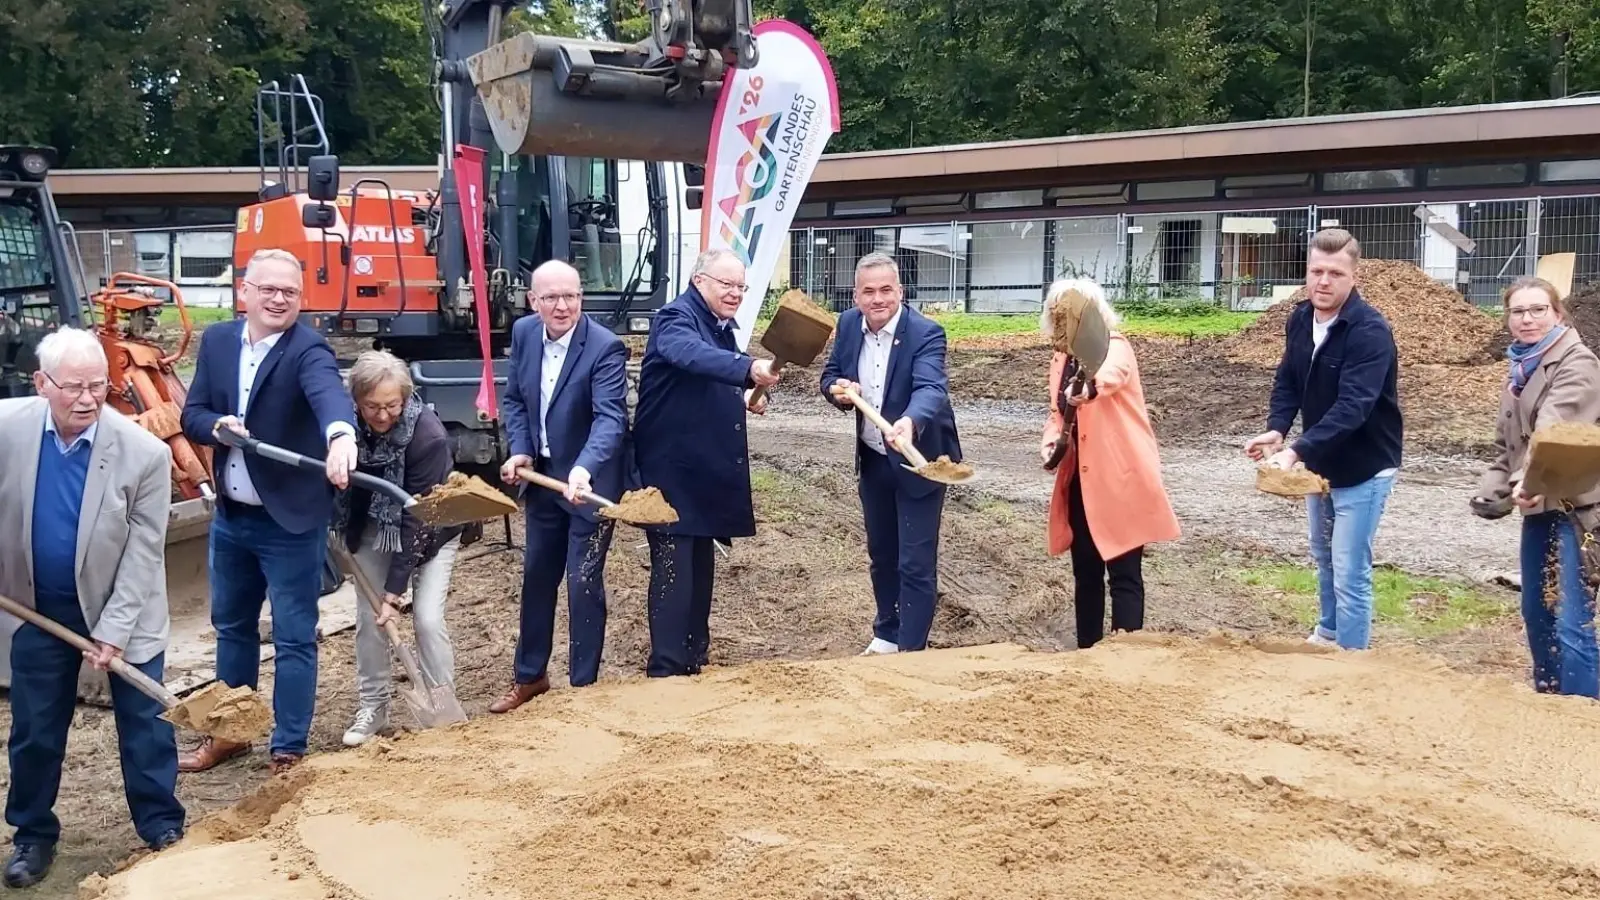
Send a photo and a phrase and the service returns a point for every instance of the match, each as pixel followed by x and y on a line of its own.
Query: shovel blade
pixel 940 477
pixel 432 708
pixel 1563 461
pixel 462 500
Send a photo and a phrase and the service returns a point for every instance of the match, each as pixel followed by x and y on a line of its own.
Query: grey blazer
pixel 122 527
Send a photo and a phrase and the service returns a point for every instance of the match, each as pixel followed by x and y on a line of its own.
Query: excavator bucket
pixel 652 100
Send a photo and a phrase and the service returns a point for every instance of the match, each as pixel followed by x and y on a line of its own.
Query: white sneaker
pixel 879 645
pixel 1318 640
pixel 369 721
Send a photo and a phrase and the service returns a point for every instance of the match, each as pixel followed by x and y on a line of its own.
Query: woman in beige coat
pixel 1553 378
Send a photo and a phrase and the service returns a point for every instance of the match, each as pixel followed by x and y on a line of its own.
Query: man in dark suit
pixel 271 377
pixel 893 356
pixel 690 442
pixel 566 416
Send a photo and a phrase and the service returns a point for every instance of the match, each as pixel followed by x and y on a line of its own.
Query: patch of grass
pixel 1418 606
pixel 1223 323
pixel 201 316
pixel 778 496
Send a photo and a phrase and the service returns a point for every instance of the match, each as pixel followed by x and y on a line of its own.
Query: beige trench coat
pixel 1564 388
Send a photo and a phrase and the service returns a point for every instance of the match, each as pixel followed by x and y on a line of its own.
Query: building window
pixel 1009 199
pixel 1467 176
pixel 1176 190
pixel 1570 170
pixel 1088 194
pixel 863 208
pixel 811 211
pixel 1245 186
pixel 1369 180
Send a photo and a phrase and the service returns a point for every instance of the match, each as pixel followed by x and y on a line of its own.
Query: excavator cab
pixel 37 290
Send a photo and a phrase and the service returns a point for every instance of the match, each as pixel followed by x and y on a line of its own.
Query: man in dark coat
pixel 691 444
pixel 893 357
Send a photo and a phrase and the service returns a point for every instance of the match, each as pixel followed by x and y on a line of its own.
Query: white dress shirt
pixel 236 481
pixel 555 355
pixel 873 369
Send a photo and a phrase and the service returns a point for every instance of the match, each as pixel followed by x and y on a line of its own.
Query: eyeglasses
pixel 1537 311
pixel 373 409
pixel 75 389
pixel 268 291
pixel 569 299
pixel 740 288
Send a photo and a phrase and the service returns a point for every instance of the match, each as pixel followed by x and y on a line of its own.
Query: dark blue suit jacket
pixel 298 394
pixel 588 417
pixel 689 428
pixel 916 387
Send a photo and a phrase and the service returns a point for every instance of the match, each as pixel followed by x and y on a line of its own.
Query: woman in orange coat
pixel 1108 501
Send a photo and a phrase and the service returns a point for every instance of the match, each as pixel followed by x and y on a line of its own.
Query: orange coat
pixel 1124 499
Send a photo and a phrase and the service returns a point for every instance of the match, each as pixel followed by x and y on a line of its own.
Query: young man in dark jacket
pixel 1338 373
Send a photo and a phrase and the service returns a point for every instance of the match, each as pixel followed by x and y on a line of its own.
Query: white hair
pixel 709 258
pixel 68 345
pixel 271 254
pixel 1085 286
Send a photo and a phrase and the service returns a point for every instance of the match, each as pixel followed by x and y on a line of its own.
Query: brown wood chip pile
pixel 1431 322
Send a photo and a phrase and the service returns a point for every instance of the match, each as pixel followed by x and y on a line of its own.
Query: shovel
pixel 1563 461
pixel 634 513
pixel 253 718
pixel 942 471
pixel 431 705
pixel 1080 331
pixel 797 333
pixel 439 509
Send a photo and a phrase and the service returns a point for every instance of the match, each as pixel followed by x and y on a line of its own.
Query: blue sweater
pixel 1346 397
pixel 57 496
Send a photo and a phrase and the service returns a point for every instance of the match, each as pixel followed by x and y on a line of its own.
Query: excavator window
pixel 592 223
pixel 24 254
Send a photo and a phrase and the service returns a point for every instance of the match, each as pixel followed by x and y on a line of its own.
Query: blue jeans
pixel 44 693
pixel 253 560
pixel 1560 635
pixel 1342 529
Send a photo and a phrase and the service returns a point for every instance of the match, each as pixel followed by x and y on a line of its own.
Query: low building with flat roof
pixel 1472 194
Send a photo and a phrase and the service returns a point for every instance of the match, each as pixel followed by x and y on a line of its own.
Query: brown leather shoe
pixel 520 694
pixel 212 752
pixel 283 762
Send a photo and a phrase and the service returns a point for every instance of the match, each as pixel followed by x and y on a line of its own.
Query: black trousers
pixel 1090 573
pixel 682 572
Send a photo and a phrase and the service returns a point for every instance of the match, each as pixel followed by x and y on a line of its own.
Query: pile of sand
pixel 1431 322
pixel 1147 767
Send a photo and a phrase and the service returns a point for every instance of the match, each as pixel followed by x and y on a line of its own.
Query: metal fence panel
pixel 198 260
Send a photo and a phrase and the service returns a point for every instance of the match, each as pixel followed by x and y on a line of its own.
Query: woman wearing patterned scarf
pixel 1553 377
pixel 403 442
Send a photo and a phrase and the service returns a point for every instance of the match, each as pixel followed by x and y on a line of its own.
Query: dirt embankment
pixel 1151 766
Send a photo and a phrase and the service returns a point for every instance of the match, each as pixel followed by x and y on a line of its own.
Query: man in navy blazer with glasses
pixel 273 378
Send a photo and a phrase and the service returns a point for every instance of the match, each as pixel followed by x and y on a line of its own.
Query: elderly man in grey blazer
pixel 82 541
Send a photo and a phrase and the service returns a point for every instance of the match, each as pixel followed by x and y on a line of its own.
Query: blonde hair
pixel 374 367
pixel 1085 286
pixel 1336 240
pixel 272 254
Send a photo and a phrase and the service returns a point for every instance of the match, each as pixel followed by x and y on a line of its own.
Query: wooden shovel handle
pixel 545 481
pixel 876 418
pixel 761 389
pixel 148 686
pixel 374 597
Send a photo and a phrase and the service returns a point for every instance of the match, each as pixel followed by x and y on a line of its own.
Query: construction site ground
pixel 1195 766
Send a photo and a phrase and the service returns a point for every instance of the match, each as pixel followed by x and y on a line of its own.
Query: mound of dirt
pixel 1150 766
pixel 1431 322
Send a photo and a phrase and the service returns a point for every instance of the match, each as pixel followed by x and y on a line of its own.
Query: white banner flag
pixel 771 126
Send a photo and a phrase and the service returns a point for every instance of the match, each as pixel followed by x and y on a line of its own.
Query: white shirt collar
pixel 266 342
pixel 888 327
pixel 565 341
pixel 87 437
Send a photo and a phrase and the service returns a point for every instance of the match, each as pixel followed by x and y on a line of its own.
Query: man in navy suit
pixel 567 417
pixel 273 378
pixel 690 442
pixel 893 356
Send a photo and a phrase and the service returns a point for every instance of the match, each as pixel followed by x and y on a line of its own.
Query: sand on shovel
pixel 642 507
pixel 463 498
pixel 1296 482
pixel 1563 461
pixel 943 467
pixel 233 714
